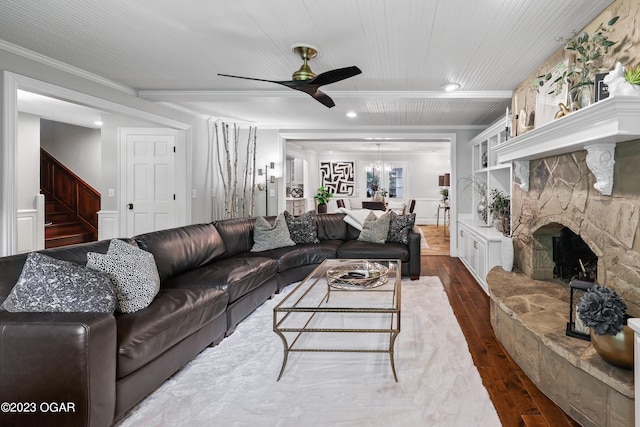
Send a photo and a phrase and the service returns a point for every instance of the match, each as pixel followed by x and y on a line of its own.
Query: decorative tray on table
pixel 357 275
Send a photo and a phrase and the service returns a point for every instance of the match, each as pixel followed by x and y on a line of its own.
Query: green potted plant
pixel 632 75
pixel 500 208
pixel 445 195
pixel 604 312
pixel 589 51
pixel 322 197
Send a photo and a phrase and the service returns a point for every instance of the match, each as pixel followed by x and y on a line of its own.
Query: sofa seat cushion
pixel 172 316
pixel 303 254
pixel 237 276
pixel 353 249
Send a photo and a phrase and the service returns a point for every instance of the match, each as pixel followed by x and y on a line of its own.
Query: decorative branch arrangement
pixel 239 201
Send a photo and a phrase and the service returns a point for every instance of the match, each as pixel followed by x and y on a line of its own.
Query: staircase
pixel 71 205
pixel 63 227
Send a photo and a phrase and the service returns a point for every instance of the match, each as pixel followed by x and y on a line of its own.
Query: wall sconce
pixel 575 327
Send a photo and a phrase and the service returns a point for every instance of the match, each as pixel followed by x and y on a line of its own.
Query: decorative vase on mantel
pixel 615 349
pixel 580 96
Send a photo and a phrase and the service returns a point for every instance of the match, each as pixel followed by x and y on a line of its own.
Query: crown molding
pixel 54 63
pixel 216 95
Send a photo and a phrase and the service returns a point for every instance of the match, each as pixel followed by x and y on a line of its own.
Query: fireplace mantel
pixel 596 128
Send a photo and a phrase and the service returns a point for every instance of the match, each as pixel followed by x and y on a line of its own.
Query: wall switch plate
pixel 112 192
pixel 272 193
pixel 194 194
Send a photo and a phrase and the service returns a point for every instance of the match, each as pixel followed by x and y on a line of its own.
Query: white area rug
pixel 234 384
pixel 423 240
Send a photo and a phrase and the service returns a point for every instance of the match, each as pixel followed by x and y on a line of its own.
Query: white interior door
pixel 149 183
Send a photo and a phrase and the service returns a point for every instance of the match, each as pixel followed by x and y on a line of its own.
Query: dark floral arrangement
pixel 602 309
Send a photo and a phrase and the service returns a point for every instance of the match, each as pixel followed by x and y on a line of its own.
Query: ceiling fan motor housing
pixel 305 53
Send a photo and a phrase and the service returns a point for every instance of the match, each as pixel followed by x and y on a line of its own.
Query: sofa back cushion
pixel 237 234
pixel 331 226
pixel 177 250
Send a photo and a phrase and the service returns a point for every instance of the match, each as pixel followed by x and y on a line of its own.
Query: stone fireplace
pixel 576 179
pixel 561 197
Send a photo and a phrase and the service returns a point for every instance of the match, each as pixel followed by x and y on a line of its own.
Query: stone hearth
pixel 529 318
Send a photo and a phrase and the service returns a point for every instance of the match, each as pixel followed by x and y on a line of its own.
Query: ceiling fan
pixel 306 80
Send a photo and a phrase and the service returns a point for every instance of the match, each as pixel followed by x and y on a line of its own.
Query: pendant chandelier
pixel 378 166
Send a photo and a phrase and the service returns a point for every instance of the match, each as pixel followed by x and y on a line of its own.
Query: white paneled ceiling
pixel 171 51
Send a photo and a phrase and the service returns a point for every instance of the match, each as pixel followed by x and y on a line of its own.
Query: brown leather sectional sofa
pixel 95 367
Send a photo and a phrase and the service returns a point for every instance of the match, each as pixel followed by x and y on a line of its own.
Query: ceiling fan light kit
pixel 306 80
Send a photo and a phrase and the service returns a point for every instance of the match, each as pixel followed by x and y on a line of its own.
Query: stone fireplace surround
pixel 529 311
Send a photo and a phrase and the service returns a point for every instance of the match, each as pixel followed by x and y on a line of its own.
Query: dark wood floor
pixel 516 399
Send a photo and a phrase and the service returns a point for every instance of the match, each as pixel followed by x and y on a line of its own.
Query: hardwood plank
pixel 534 421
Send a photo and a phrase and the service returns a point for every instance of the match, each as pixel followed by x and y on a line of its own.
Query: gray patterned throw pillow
pixel 302 228
pixel 400 226
pixel 267 236
pixel 133 272
pixel 375 230
pixel 51 285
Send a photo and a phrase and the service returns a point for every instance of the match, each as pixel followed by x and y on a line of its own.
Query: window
pixel 389 178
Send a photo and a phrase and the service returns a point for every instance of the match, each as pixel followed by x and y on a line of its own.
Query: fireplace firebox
pixel 573 258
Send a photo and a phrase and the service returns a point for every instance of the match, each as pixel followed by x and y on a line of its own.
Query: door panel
pixel 150 192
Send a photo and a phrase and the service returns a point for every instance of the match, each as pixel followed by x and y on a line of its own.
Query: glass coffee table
pixel 352 301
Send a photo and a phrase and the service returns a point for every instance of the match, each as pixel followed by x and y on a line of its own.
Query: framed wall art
pixel 338 177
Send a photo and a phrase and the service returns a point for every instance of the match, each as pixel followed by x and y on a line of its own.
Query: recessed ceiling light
pixel 450 86
pixel 352 114
pixel 98 123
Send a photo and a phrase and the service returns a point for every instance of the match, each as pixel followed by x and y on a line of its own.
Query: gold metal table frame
pixel 298 312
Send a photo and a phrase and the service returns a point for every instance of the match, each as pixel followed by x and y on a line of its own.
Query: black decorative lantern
pixel 575 327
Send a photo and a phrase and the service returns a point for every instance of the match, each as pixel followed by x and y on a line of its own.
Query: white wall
pixel 109 94
pixel 28 153
pixel 76 147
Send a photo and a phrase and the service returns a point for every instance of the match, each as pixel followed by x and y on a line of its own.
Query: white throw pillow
pixel 133 272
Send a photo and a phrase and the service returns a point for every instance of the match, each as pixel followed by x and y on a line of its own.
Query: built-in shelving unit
pixel 478 241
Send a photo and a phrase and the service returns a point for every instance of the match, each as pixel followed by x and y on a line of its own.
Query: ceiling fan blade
pixel 323 98
pixel 316 94
pixel 333 76
pixel 252 78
